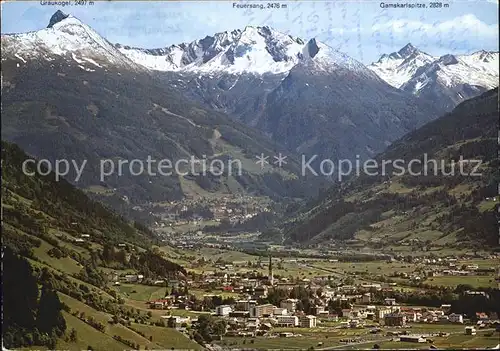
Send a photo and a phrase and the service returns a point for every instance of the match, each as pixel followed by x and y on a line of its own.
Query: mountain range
pixel 445 80
pixel 70 93
pixel 258 74
pixel 312 98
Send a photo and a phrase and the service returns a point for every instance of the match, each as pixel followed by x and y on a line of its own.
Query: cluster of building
pixel 249 312
pixel 233 208
pixel 249 316
pixel 444 267
pixel 126 278
pixel 401 315
pixel 246 315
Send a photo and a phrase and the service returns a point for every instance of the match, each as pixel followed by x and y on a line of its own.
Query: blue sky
pixel 362 28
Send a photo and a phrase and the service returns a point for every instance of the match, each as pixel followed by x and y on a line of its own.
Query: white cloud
pixel 458 35
pixel 468 23
pixel 461 27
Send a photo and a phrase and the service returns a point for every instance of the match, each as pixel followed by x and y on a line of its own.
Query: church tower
pixel 270 275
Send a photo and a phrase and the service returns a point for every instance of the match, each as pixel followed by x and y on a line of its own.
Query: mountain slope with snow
pixel 306 95
pixel 67 37
pixel 253 49
pixel 478 69
pixel 67 93
pixel 256 50
pixel 399 67
pixel 326 104
pixel 445 80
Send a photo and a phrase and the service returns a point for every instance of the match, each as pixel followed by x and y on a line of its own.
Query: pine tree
pixel 49 317
pixel 20 295
pixel 108 253
pixel 73 335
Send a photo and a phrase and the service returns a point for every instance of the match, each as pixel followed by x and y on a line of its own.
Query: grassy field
pixel 392 229
pixel 167 337
pixel 487 205
pixel 322 267
pixel 398 188
pixel 101 292
pixel 64 264
pixel 264 343
pixel 182 256
pixel 481 340
pixel 79 306
pixel 144 293
pixel 240 259
pixel 59 235
pixel 452 342
pixel 104 318
pixel 426 328
pixel 88 336
pixel 129 334
pixel 97 189
pixel 156 338
pixel 157 314
pixel 475 281
pixel 141 292
pixel 317 338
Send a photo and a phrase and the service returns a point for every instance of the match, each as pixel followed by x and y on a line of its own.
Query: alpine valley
pixel 68 93
pixel 255 252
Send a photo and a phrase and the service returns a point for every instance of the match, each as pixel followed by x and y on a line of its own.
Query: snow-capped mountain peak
pixel 254 49
pixel 398 67
pixel 451 77
pixel 57 17
pixel 66 36
pixel 322 58
pixel 478 69
pixel 404 53
pixel 408 50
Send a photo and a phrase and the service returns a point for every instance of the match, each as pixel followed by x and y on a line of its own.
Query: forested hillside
pixel 438 206
pixel 132 116
pixel 64 206
pixel 57 242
